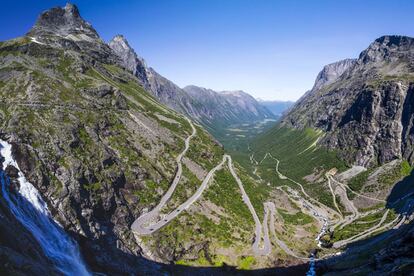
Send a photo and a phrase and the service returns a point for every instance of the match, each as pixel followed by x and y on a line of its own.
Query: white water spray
pixel 32 212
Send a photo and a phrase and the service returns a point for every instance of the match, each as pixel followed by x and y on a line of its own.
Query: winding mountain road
pixel 272 208
pixel 145 224
pixel 139 224
pixel 148 223
pixel 258 226
pixel 333 195
pixel 366 233
pixel 356 193
pixel 281 176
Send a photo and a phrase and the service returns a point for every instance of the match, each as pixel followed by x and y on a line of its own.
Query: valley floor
pixel 270 235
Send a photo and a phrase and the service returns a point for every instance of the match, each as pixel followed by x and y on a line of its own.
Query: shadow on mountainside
pixel 371 254
pixel 392 250
pixel 21 253
pixel 137 265
pixel 404 189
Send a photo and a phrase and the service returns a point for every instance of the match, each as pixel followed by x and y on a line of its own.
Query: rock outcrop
pixel 130 60
pixel 332 72
pixel 364 106
pixel 88 137
pixel 66 29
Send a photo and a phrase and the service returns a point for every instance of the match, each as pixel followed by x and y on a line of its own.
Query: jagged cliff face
pixel 332 72
pixel 95 144
pixel 64 22
pixel 201 104
pixel 63 27
pixel 364 106
pixel 101 150
pixel 130 60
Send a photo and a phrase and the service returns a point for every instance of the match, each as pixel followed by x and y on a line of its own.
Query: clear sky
pixel 271 49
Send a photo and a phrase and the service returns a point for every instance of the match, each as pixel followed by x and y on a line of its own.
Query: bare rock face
pixel 131 61
pixel 13 173
pixel 332 72
pixel 66 29
pixel 391 48
pixel 64 22
pixel 365 106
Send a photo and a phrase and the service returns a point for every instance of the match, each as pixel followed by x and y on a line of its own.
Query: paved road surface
pixel 258 226
pixel 138 225
pixel 144 224
pixel 147 224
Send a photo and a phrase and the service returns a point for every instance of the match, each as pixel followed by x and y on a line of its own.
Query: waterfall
pixel 311 271
pixel 32 212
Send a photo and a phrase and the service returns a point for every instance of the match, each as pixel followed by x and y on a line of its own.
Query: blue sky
pixel 271 49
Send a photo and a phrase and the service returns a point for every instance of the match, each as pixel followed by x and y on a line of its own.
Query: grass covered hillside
pixel 102 151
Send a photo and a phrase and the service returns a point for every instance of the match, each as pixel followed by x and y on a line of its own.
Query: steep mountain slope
pixel 366 111
pixel 102 151
pixel 98 147
pixel 347 144
pixel 204 105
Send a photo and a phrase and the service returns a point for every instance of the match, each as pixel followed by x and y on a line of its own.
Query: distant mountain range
pixel 276 107
pixel 93 140
pixel 204 105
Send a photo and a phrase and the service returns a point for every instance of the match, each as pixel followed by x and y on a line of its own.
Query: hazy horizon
pixel 270 49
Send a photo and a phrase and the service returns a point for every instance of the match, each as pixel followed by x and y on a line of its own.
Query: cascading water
pixel 32 212
pixel 311 271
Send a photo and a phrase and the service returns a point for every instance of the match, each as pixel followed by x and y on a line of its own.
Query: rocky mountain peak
pixel 332 72
pixel 120 40
pixel 63 21
pixel 368 106
pixel 389 48
pixel 130 60
pixel 394 40
pixel 72 10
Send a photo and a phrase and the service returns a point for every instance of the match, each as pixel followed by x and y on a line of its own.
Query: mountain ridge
pixel 102 150
pixel 186 100
pixel 356 100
